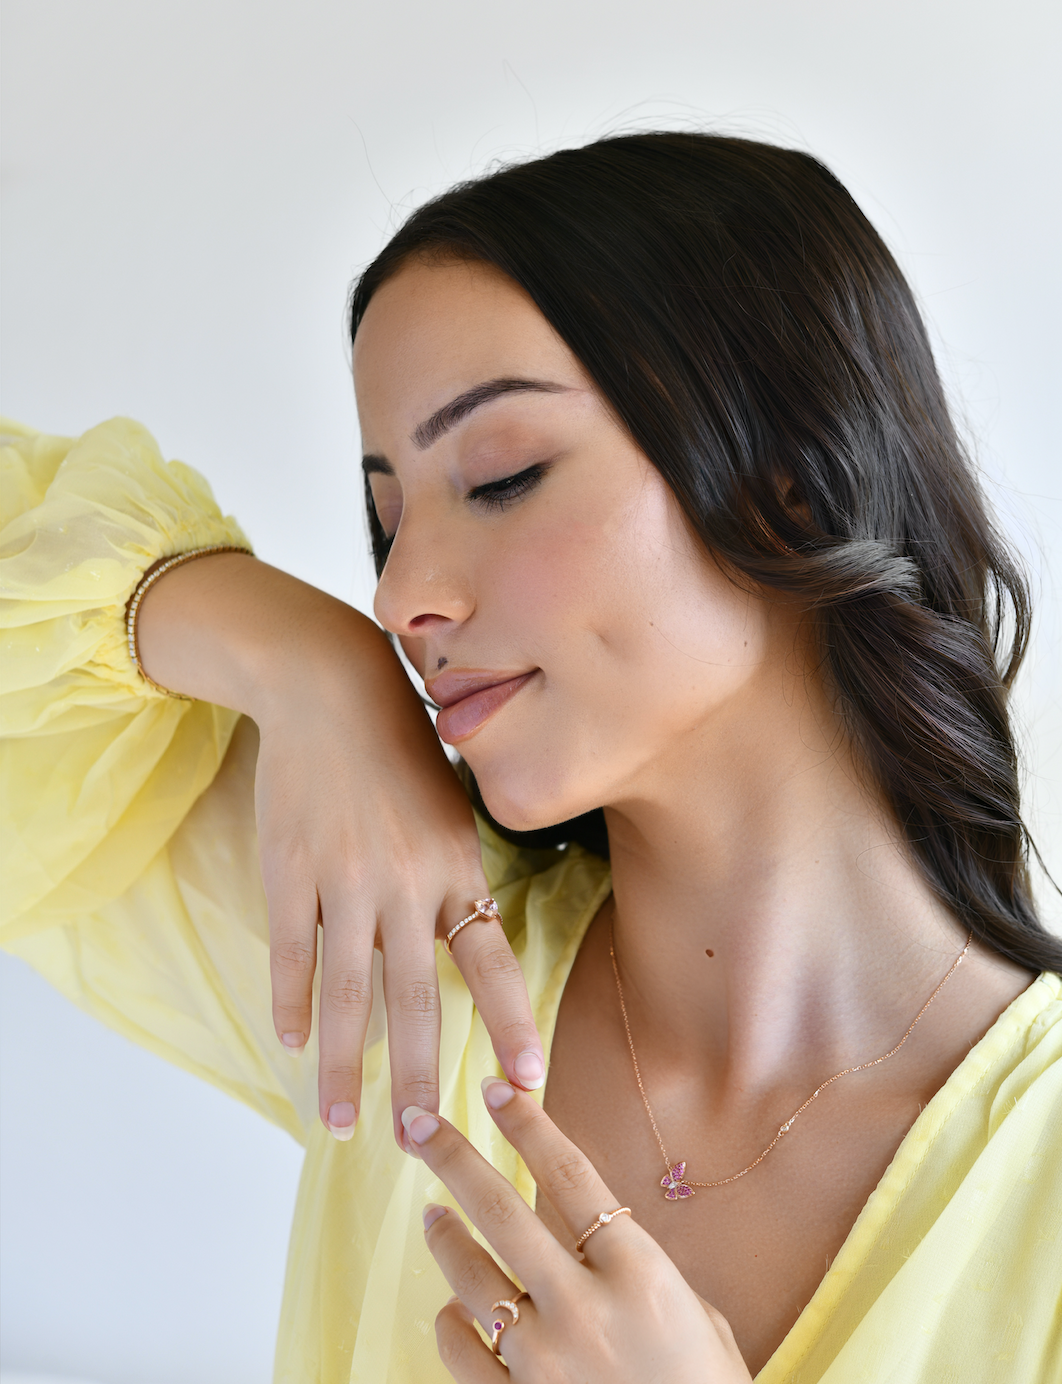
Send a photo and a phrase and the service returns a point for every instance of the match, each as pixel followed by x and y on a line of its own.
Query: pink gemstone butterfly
pixel 674 1183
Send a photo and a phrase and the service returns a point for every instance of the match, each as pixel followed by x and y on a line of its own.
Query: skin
pixel 366 837
pixel 770 926
pixel 622 1312
pixel 739 824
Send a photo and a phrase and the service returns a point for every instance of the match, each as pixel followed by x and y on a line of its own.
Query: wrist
pixel 231 630
pixel 153 575
pixel 328 655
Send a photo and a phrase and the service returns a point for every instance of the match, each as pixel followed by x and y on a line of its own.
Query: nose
pixel 424 587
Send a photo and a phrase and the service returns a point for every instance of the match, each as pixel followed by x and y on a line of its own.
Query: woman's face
pixel 542 578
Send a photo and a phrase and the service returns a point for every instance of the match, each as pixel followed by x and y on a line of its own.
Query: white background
pixel 189 189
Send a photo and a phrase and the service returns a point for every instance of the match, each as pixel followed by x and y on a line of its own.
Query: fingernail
pixel 432 1212
pixel 341 1119
pixel 293 1042
pixel 496 1092
pixel 530 1069
pixel 419 1124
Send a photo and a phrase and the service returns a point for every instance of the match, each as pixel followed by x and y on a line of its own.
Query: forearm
pixel 234 631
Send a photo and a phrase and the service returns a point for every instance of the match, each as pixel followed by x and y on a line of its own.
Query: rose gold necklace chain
pixel 675 1183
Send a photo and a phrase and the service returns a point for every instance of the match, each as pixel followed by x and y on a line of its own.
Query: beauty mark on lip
pixel 469 698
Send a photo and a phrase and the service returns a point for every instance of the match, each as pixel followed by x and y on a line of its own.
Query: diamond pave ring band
pixel 485 911
pixel 603 1219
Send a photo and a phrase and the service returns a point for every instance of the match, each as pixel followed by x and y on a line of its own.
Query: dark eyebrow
pixel 447 417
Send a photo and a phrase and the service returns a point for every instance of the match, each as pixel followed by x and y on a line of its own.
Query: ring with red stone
pixel 497 1325
pixel 485 911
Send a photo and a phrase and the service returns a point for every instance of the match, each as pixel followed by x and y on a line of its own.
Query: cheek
pixel 623 610
pixel 549 583
pixel 565 589
pixel 643 643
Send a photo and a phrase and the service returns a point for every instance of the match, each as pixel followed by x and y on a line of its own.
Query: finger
pixel 471 1272
pixel 496 983
pixel 560 1169
pixel 292 962
pixel 491 1203
pixel 346 1005
pixel 725 1332
pixel 411 993
pixel 463 1350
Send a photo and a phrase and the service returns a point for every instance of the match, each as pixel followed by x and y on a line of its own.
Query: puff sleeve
pixel 128 816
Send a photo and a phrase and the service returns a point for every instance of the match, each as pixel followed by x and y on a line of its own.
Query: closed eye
pixel 491 495
pixel 498 494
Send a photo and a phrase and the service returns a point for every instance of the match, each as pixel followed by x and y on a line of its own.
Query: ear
pixel 792 501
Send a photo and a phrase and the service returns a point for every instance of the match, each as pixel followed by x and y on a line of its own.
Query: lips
pixel 470 699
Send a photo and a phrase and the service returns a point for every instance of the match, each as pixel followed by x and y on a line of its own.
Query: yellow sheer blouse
pixel 132 885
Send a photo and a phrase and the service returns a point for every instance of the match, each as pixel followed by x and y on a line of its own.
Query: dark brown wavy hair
pixel 758 341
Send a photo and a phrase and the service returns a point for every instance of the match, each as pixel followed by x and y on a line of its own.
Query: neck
pixel 769 922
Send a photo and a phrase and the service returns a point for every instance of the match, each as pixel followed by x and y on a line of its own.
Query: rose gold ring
pixel 603 1219
pixel 497 1326
pixel 486 911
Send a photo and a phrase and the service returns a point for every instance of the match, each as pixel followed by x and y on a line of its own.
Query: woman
pixel 670 516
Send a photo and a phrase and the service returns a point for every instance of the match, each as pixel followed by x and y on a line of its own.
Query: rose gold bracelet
pixel 145 584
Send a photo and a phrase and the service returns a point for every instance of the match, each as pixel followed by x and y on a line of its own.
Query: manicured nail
pixel 419 1124
pixel 496 1092
pixel 530 1069
pixel 432 1212
pixel 341 1119
pixel 293 1042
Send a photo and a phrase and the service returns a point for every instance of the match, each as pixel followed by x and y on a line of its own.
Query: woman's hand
pixel 363 826
pixel 624 1315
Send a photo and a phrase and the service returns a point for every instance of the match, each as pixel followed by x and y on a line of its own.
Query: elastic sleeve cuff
pixel 90 517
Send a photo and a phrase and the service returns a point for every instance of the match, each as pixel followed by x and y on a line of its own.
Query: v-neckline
pixel 887 1196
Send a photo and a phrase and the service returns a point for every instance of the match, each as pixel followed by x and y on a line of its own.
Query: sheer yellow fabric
pixel 132 885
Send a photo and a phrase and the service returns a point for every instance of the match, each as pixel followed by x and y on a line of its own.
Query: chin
pixel 525 797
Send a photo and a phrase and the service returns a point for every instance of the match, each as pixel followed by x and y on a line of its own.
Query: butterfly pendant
pixel 674 1184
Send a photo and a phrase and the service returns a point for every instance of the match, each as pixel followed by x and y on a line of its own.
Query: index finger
pixel 492 1203
pixel 561 1170
pixel 499 991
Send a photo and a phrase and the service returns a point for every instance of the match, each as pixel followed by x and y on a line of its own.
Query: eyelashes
pixel 498 494
pixel 492 495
